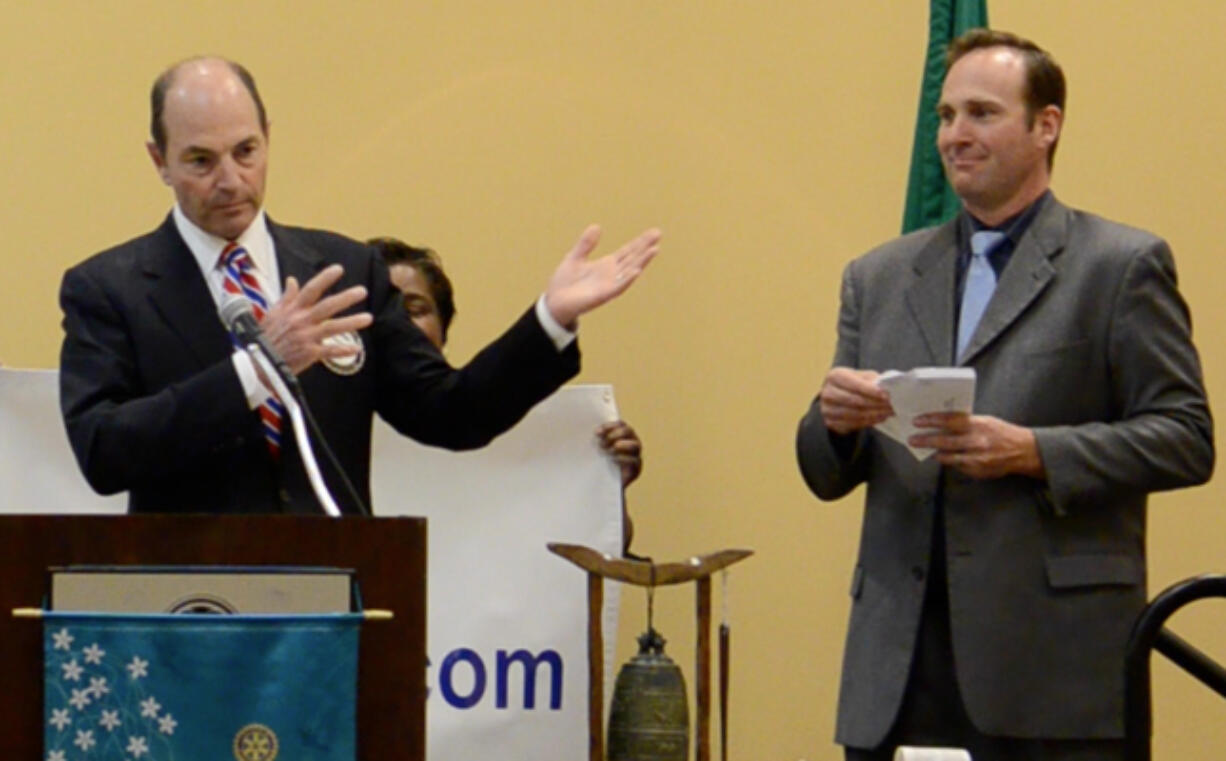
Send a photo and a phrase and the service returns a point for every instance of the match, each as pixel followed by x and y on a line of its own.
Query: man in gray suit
pixel 997 581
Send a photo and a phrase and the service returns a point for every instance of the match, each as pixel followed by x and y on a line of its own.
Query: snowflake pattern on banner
pixel 98 707
pixel 149 687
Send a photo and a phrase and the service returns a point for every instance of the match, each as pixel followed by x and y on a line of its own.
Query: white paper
pixel 920 391
pixel 915 753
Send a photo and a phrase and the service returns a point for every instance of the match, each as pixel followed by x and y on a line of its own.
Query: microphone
pixel 239 318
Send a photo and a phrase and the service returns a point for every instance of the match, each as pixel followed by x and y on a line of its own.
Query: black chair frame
pixel 1149 634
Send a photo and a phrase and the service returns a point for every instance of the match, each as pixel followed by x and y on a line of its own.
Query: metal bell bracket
pixel 600 566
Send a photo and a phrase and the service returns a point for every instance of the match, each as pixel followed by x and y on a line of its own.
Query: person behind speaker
pixel 996 582
pixel 430 301
pixel 155 399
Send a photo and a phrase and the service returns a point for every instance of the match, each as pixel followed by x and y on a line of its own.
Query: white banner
pixel 37 471
pixel 507 619
pixel 502 607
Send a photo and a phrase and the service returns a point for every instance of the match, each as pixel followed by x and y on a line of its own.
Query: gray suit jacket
pixel 1087 342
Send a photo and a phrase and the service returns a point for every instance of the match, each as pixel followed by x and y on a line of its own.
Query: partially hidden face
pixel 419 301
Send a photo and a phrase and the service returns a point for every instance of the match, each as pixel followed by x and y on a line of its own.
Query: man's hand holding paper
pixel 928 410
pixel 922 391
pixel 932 415
pixel 981 446
pixel 851 400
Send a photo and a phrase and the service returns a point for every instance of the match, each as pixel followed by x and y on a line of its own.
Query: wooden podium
pixel 388 556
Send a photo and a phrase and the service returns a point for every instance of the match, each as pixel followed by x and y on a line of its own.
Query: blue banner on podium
pixel 200 687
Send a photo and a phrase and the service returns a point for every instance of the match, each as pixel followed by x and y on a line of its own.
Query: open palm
pixel 580 284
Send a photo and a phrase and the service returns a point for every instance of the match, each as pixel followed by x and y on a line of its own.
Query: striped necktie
pixel 240 280
pixel 979 286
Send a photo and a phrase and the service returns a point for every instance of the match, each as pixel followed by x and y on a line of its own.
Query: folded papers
pixel 920 391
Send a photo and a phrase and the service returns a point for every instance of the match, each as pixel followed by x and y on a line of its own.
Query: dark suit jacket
pixel 1087 342
pixel 153 405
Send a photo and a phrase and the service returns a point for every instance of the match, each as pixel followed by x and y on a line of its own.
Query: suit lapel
pixel 1029 272
pixel 178 292
pixel 930 297
pixel 294 257
pixel 300 260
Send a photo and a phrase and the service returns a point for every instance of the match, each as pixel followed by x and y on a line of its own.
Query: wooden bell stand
pixel 599 567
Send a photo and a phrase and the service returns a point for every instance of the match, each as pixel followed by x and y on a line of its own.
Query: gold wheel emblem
pixel 255 742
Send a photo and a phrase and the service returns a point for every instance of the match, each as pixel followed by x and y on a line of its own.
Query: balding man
pixel 159 402
pixel 998 580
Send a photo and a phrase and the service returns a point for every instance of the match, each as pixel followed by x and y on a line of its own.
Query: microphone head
pixel 233 308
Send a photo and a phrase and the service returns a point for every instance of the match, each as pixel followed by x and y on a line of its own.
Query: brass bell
pixel 649 719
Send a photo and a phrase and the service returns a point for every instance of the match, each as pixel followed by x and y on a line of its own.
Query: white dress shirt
pixel 207 248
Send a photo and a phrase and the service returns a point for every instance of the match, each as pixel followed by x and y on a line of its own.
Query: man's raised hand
pixel 297 325
pixel 580 284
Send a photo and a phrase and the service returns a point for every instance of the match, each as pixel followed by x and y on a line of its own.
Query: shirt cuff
pixel 560 336
pixel 255 391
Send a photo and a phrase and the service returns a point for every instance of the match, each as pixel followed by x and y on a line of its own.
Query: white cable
pixel 300 431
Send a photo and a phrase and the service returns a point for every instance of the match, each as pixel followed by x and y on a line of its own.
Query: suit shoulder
pixel 899 252
pixel 122 259
pixel 1105 255
pixel 334 244
pixel 907 244
pixel 314 247
pixel 1089 230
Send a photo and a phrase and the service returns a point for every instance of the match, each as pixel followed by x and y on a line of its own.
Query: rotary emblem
pixel 255 742
pixel 350 364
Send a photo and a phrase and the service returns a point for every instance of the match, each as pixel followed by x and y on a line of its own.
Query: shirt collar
pixel 207 248
pixel 1013 227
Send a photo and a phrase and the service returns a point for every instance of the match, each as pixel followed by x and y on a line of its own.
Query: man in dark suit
pixel 158 402
pixel 998 580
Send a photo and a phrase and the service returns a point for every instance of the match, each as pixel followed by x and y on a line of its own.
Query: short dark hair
pixel 428 263
pixel 1044 84
pixel 157 98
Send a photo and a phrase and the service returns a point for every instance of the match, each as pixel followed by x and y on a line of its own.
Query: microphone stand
pixel 300 431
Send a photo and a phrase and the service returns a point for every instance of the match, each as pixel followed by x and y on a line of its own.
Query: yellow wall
pixel 769 140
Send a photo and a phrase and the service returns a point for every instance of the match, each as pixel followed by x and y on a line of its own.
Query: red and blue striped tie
pixel 240 280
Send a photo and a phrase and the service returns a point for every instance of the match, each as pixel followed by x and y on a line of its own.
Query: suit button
pixel 917 573
pixel 284 495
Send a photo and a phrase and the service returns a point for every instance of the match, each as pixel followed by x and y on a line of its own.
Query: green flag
pixel 930 201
